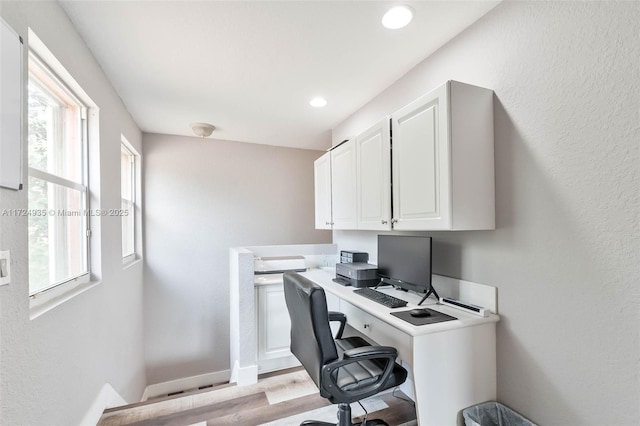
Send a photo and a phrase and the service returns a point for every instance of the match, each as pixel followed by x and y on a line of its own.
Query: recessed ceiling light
pixel 318 102
pixel 397 17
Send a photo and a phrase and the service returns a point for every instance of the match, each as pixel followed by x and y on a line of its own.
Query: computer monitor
pixel 405 262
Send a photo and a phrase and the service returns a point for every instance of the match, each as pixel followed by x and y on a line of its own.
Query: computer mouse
pixel 420 313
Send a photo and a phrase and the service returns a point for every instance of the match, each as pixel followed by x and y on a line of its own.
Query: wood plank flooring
pixel 274 397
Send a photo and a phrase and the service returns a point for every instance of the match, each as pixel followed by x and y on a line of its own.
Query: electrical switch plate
pixel 5 267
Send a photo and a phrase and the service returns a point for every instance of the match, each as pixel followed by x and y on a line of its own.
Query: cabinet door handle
pixel 327 223
pixel 367 325
pixel 394 221
pixel 384 222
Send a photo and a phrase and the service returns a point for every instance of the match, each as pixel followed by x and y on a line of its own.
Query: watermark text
pixel 63 212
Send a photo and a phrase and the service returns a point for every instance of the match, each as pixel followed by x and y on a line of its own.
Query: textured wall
pixel 203 197
pixel 565 255
pixel 52 367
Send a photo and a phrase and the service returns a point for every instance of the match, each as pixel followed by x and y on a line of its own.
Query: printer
pixel 357 274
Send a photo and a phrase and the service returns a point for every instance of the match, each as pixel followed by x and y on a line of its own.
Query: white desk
pixel 452 364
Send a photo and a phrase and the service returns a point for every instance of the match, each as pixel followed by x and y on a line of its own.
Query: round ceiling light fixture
pixel 397 17
pixel 318 102
pixel 202 129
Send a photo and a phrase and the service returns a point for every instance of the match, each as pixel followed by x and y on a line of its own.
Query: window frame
pixel 56 290
pixel 134 164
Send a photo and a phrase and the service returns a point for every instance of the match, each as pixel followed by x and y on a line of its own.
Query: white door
pixel 322 187
pixel 343 186
pixel 420 163
pixel 373 153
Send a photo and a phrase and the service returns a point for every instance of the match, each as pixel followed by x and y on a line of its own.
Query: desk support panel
pixel 453 370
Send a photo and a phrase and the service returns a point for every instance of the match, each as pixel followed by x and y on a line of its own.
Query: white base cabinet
pixel 443 160
pixel 273 326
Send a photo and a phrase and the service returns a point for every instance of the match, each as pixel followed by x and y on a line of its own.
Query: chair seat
pixel 365 372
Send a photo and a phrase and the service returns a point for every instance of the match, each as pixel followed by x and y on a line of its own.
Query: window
pixel 129 161
pixel 58 192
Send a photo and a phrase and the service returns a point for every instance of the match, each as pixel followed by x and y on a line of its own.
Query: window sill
pixel 40 307
pixel 129 262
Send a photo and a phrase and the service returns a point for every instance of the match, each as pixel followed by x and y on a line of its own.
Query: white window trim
pixel 82 278
pixel 56 294
pixel 131 258
pixel 37 173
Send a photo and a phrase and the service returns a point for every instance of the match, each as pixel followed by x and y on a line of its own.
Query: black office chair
pixel 344 369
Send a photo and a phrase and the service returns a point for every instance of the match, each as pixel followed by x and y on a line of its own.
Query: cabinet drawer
pixel 378 331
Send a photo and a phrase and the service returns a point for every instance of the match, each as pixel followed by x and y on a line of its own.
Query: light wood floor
pixel 274 397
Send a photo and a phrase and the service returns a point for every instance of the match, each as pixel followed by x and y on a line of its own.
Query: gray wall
pixel 201 198
pixel 53 367
pixel 565 255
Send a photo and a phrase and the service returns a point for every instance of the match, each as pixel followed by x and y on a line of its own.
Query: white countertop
pixel 324 277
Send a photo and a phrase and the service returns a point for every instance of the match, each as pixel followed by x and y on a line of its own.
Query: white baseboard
pixel 107 397
pixel 243 376
pixel 192 382
pixel 274 364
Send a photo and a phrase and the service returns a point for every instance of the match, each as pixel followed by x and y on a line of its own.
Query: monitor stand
pixel 381 283
pixel 429 293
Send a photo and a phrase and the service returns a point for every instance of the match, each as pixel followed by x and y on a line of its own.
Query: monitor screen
pixel 405 261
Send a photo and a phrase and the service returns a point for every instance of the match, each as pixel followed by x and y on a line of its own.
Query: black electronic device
pixel 347 256
pixel 405 262
pixel 420 313
pixel 357 274
pixel 380 297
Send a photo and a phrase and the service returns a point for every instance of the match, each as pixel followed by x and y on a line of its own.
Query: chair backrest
pixel 311 339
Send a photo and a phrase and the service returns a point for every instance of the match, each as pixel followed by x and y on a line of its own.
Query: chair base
pixel 344 419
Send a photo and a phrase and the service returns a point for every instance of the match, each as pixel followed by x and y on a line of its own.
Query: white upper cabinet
pixel 343 186
pixel 442 162
pixel 430 167
pixel 322 186
pixel 373 177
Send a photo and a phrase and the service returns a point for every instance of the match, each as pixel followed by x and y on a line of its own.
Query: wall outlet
pixel 5 267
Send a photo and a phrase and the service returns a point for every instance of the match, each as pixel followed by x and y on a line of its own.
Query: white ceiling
pixel 250 68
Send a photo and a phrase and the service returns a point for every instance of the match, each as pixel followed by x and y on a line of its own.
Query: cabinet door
pixel 343 186
pixel 373 153
pixel 274 325
pixel 420 163
pixel 322 186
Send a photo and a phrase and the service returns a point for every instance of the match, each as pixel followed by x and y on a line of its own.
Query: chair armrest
pixel 342 318
pixel 329 371
pixel 370 352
